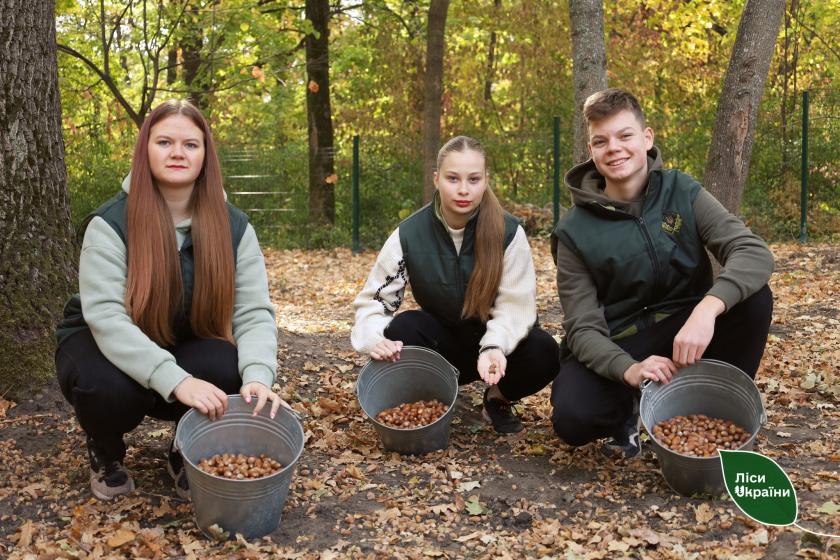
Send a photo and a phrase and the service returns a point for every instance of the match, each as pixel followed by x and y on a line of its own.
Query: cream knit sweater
pixel 513 313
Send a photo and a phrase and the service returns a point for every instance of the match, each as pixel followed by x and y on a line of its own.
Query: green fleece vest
pixel 114 213
pixel 644 268
pixel 438 274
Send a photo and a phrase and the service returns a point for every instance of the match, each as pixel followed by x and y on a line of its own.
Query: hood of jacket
pixel 586 184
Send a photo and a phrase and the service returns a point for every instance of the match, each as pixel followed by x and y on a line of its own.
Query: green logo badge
pixel 759 487
pixel 671 222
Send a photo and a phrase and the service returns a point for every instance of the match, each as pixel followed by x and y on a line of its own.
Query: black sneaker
pixel 500 413
pixel 175 468
pixel 108 478
pixel 627 444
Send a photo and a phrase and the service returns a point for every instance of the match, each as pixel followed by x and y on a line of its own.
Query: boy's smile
pixel 618 145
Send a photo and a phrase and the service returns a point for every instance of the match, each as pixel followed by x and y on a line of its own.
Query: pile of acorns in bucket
pixel 698 435
pixel 239 466
pixel 412 415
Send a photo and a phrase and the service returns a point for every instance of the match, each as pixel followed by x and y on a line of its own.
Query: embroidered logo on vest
pixel 671 222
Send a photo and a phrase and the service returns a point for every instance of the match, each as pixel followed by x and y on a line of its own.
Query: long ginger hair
pixel 489 239
pixel 154 292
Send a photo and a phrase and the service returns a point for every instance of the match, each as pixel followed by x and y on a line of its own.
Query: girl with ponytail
pixel 173 308
pixel 470 269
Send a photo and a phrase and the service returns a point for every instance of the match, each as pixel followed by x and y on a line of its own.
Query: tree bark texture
pixel 433 89
pixel 589 64
pixel 322 176
pixel 732 138
pixel 37 258
pixel 196 73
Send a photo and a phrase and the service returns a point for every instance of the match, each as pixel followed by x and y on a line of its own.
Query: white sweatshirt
pixel 513 314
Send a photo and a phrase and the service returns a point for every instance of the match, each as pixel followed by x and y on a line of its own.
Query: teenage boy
pixel 635 280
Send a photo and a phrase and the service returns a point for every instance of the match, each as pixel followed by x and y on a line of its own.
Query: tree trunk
pixel 491 56
pixel 37 261
pixel 433 88
pixel 732 138
pixel 196 76
pixel 322 176
pixel 589 64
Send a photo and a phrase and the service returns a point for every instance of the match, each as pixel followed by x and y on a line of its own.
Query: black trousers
pixel 530 367
pixel 108 403
pixel 587 406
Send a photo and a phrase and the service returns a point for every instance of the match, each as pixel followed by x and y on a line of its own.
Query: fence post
pixel 556 193
pixel 356 209
pixel 803 202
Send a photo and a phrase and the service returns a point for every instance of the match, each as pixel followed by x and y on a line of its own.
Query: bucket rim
pixel 292 463
pixel 645 387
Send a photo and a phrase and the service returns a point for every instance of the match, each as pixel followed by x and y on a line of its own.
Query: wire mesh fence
pixel 271 183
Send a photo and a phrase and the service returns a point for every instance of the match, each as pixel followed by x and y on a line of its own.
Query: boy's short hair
pixel 607 102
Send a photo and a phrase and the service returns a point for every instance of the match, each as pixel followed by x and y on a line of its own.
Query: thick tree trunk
pixel 322 176
pixel 37 262
pixel 732 138
pixel 589 63
pixel 433 88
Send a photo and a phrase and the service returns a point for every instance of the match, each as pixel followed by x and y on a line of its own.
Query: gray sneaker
pixel 108 478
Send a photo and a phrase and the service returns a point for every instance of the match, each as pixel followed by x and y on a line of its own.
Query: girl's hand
pixel 387 350
pixel 202 396
pixel 263 394
pixel 491 366
pixel 655 368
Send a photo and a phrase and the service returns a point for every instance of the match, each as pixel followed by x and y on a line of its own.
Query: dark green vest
pixel 114 213
pixel 644 268
pixel 438 274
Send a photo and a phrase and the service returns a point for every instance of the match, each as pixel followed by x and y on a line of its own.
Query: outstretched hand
pixel 491 366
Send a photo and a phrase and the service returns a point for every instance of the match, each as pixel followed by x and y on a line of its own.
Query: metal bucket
pixel 250 507
pixel 420 374
pixel 709 387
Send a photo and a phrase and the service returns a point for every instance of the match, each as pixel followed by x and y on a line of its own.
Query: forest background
pixel 507 72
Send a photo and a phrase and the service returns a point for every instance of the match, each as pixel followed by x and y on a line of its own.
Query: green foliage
pixel 672 54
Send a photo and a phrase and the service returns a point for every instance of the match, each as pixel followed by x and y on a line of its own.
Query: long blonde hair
pixel 154 291
pixel 489 240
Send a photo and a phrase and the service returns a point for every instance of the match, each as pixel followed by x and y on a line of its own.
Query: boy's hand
pixel 387 350
pixel 491 365
pixel 697 332
pixel 655 368
pixel 202 396
pixel 263 394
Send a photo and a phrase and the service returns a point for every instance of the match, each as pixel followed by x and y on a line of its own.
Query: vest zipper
pixel 651 252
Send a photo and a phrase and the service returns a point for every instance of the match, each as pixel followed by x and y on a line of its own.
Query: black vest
pixel 439 274
pixel 114 213
pixel 644 268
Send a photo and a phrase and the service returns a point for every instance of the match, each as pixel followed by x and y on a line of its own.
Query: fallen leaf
pixel 25 538
pixel 468 485
pixel 829 507
pixel 469 537
pixel 120 537
pixel 474 507
pixel 704 513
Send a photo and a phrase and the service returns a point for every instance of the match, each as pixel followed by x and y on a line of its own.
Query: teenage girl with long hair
pixel 471 272
pixel 173 309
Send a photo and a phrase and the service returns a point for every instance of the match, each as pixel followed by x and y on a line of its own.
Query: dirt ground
pixel 485 496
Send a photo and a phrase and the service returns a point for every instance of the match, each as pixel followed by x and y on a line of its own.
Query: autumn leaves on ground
pixel 485 496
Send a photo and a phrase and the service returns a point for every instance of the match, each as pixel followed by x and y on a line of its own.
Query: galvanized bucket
pixel 709 387
pixel 250 507
pixel 420 374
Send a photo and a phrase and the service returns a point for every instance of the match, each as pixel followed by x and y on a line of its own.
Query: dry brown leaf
pixel 120 537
